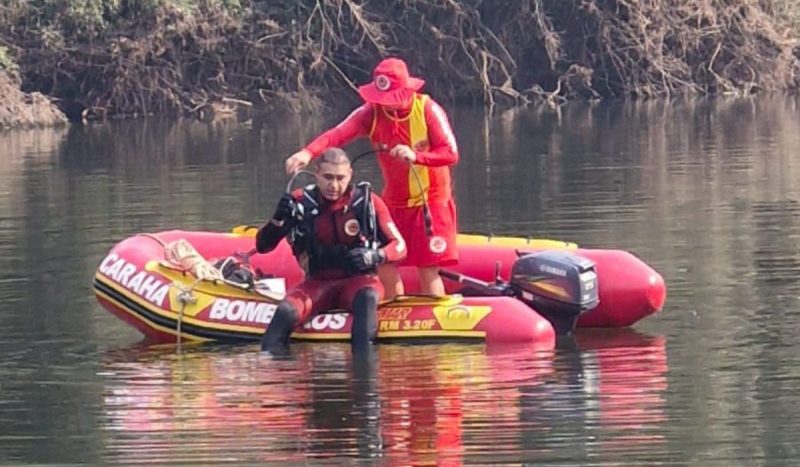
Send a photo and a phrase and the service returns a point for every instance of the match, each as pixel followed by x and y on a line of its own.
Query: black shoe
pixel 279 352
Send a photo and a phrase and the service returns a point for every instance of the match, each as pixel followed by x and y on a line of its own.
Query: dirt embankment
pixel 24 110
pixel 200 57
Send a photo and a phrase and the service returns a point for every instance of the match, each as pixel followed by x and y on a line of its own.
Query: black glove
pixel 364 259
pixel 285 208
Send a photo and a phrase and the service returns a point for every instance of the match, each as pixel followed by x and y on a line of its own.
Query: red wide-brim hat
pixel 391 84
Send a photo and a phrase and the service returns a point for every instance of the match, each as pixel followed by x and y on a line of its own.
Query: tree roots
pixel 200 56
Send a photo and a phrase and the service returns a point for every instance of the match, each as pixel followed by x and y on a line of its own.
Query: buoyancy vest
pixel 314 255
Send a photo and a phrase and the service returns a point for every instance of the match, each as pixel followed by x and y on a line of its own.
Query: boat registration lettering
pixel 418 324
pixel 139 282
pixel 242 311
pixel 406 325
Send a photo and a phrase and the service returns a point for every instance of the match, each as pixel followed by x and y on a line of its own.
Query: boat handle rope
pixel 185 294
pixel 186 297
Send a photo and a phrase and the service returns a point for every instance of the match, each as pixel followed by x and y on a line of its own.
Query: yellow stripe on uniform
pixel 418 184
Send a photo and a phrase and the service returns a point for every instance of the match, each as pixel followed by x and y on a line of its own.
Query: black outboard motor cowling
pixel 559 285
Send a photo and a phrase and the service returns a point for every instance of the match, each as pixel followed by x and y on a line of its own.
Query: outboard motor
pixel 557 284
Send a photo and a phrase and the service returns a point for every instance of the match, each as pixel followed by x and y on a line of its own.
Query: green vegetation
pixel 182 56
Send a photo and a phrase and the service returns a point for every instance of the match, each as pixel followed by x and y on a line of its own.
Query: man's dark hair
pixel 334 156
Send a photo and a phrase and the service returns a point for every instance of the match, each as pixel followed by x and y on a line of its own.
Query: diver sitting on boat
pixel 339 234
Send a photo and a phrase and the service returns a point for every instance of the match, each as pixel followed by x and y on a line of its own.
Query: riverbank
pixel 25 110
pixel 203 57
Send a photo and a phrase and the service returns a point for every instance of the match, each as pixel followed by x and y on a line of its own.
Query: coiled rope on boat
pixel 182 254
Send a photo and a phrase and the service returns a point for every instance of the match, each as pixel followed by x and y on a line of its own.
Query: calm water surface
pixel 708 193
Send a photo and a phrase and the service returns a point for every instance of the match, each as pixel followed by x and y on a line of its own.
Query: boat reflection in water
pixel 607 399
pixel 630 382
pixel 444 404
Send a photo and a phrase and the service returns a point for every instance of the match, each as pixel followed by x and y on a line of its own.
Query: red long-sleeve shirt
pixel 435 155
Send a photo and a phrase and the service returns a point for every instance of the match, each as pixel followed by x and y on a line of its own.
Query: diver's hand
pixel 365 259
pixel 285 209
pixel 403 152
pixel 298 161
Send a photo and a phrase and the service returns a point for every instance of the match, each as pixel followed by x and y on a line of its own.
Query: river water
pixel 706 192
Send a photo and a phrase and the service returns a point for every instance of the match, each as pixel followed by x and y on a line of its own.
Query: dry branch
pixel 174 59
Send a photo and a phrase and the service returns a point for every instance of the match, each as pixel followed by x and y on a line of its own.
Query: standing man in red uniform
pixel 340 235
pixel 417 148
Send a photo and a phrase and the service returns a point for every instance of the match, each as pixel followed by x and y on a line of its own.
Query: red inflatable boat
pixel 499 292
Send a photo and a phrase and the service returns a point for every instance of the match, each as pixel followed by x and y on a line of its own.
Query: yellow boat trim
pixel 416 300
pixel 225 327
pixel 216 288
pixel 201 302
pixel 174 315
pixel 245 230
pixel 471 334
pixel 192 337
pixel 389 334
pixel 471 239
pixel 460 318
pixel 463 239
pixel 151 324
